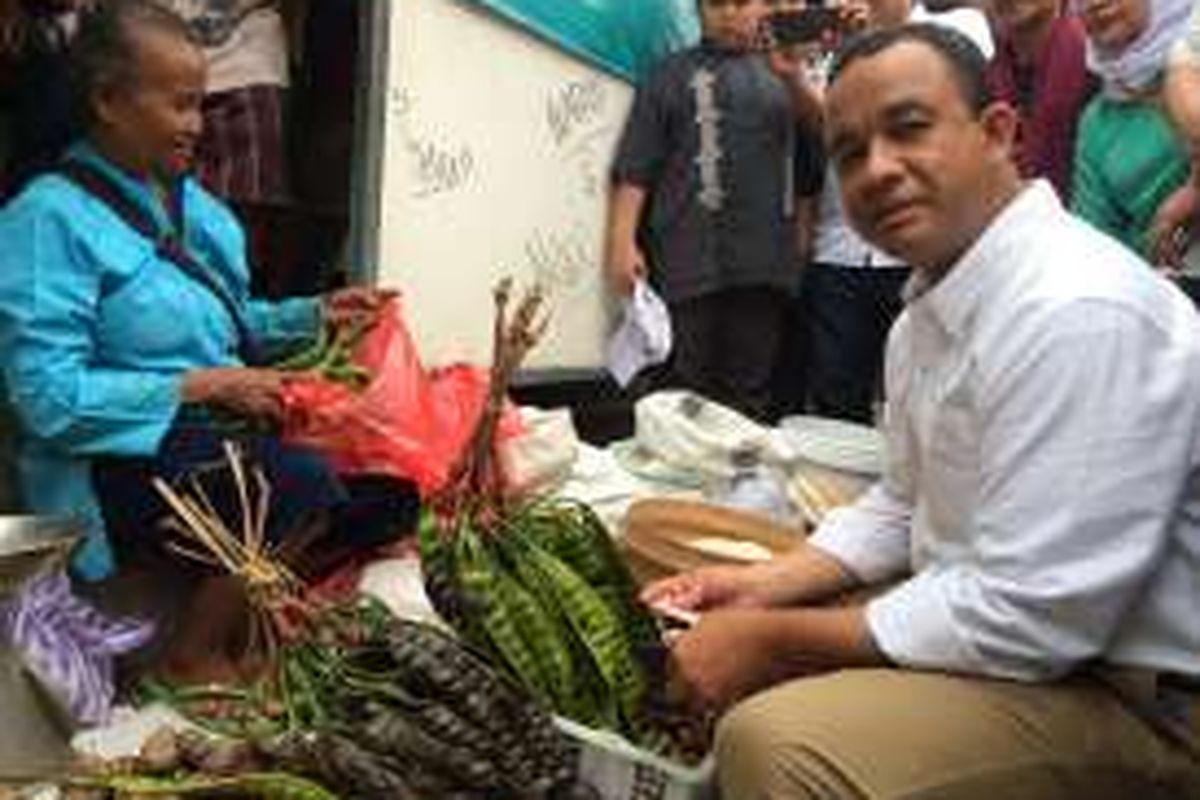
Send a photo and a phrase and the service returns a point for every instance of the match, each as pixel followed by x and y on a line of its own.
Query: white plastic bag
pixel 693 434
pixel 643 337
pixel 543 454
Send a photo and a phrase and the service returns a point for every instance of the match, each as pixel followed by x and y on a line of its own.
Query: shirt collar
pixel 137 190
pixel 988 262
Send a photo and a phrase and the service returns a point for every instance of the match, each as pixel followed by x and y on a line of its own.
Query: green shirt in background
pixel 1127 161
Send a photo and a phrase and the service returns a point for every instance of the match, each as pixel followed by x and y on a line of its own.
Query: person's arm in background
pixel 806 228
pixel 1174 224
pixel 643 150
pixel 624 257
pixel 808 183
pixel 12 29
pixel 49 292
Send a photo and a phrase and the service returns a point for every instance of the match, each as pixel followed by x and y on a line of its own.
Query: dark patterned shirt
pixel 713 138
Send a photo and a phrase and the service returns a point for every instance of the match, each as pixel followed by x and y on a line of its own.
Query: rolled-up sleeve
pixel 285 324
pixel 645 141
pixel 870 537
pixel 1086 431
pixel 48 297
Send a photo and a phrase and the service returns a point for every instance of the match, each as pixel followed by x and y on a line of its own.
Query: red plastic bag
pixel 407 422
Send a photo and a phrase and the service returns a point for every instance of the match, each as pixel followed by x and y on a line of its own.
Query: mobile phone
pixel 801 25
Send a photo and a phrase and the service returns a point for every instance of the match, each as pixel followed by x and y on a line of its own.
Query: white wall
pixel 495 159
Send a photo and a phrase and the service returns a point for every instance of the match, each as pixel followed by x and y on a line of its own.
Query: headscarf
pixel 1136 67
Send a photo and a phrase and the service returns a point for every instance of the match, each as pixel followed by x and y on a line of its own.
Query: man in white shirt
pixel 1036 534
pixel 850 294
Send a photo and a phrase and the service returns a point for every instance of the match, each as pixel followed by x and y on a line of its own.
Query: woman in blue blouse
pixel 125 318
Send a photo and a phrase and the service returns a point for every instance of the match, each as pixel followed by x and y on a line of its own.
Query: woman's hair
pixel 104 53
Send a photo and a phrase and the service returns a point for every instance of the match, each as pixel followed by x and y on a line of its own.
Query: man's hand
pixel 356 305
pixel 708 588
pixel 1171 230
pixel 790 62
pixel 732 653
pixel 727 656
pixel 855 16
pixel 626 266
pixel 804 575
pixel 255 393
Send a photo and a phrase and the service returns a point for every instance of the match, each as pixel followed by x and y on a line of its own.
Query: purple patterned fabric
pixel 69 645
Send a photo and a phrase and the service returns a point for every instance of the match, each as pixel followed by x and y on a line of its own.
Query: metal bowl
pixel 29 546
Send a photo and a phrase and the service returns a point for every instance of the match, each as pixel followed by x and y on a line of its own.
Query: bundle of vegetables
pixel 355 698
pixel 331 356
pixel 273 591
pixel 536 583
pixel 381 707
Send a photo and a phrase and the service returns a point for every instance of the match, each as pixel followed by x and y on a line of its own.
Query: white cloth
pixel 1043 424
pixel 1136 67
pixel 245 43
pixel 835 242
pixel 970 22
pixel 644 336
pixel 256 54
pixel 1186 52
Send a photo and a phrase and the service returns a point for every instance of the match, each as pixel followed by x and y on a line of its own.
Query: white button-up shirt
pixel 1043 430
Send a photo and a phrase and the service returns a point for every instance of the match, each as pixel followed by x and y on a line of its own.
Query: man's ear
pixel 999 121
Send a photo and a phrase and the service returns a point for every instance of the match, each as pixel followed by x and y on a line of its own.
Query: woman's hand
pixel 250 392
pixel 356 305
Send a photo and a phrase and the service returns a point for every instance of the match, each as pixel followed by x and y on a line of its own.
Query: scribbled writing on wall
pixel 572 107
pixel 562 260
pixel 437 169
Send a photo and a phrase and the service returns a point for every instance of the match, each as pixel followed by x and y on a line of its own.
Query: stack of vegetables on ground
pixel 350 698
pixel 537 584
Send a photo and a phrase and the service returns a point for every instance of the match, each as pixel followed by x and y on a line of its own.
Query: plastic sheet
pixel 623 37
pixel 407 422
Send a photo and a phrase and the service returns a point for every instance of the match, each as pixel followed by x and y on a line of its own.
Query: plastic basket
pixel 618 770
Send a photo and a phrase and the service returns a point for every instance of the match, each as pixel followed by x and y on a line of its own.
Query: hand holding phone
pixel 801 26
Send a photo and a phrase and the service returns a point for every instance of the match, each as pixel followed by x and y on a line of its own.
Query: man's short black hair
pixel 957 51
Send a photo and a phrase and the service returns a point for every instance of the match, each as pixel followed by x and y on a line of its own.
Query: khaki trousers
pixel 885 734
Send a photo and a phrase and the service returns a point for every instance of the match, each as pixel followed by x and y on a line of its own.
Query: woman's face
pixel 1113 25
pixel 153 120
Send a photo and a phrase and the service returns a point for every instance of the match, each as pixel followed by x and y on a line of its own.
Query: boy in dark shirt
pixel 711 178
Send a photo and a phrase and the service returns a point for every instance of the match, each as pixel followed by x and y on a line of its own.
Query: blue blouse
pixel 97 331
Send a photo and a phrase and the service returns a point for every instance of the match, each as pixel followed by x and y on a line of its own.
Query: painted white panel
pixel 495 161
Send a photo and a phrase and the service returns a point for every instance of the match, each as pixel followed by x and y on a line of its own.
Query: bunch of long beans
pixel 331 355
pixel 537 584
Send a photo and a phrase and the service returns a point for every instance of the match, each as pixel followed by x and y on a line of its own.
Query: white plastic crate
pixel 618 770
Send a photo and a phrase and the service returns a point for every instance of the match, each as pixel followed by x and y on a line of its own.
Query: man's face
pixel 1114 24
pixel 732 23
pixel 155 119
pixel 918 170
